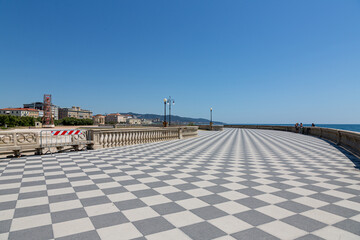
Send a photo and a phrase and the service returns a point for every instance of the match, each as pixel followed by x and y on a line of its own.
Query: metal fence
pixel 62 138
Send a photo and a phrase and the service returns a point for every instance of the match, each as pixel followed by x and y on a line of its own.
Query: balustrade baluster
pixel 101 139
pixel 105 140
pixel 126 138
pixel 121 139
pixel 116 140
pixel 109 140
pixel 117 137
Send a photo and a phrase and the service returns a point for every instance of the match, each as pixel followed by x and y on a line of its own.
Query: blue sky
pixel 252 61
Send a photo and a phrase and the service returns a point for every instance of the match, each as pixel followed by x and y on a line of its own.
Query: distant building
pixel 40 107
pixel 99 119
pixel 20 112
pixel 133 121
pixel 146 121
pixel 75 112
pixel 115 118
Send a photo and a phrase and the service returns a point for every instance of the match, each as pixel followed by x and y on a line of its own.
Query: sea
pixel 347 127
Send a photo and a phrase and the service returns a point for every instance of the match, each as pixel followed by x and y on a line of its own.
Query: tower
pixel 47 118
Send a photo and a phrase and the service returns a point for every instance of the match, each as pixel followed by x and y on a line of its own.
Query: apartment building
pixel 99 119
pixel 40 107
pixel 75 112
pixel 20 112
pixel 115 118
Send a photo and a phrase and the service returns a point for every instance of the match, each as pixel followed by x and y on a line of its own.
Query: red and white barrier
pixel 66 132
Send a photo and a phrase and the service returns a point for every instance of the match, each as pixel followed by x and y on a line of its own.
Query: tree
pixel 16 121
pixel 69 121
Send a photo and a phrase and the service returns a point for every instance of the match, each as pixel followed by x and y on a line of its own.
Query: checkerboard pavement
pixel 234 184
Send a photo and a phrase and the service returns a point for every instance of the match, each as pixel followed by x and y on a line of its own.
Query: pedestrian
pixel 313 124
pixel 296 127
pixel 301 128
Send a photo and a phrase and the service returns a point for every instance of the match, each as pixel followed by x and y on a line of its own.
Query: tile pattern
pixel 234 184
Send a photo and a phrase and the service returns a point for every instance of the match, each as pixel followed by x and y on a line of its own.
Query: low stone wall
pixel 347 139
pixel 213 128
pixel 16 143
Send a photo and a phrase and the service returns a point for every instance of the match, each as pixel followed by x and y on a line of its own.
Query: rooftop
pixel 236 184
pixel 114 114
pixel 19 109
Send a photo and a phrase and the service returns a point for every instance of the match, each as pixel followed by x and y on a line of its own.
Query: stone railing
pixel 105 138
pixel 16 142
pixel 347 139
pixel 274 127
pixel 19 142
pixel 211 128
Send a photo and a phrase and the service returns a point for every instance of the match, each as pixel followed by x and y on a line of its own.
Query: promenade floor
pixel 234 184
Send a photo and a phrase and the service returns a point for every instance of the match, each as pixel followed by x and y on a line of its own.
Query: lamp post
pixel 164 123
pixel 211 123
pixel 170 101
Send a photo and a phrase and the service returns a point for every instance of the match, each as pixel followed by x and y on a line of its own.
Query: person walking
pixel 296 127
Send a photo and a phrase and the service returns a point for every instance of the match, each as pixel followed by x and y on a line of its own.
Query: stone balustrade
pixel 15 142
pixel 347 139
pixel 211 128
pixel 19 142
pixel 121 137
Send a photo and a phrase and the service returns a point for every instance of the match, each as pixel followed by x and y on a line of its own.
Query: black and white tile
pixel 234 184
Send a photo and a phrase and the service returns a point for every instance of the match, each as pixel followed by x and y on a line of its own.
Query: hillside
pixel 174 118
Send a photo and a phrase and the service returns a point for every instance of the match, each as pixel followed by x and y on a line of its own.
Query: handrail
pixel 347 139
pixel 17 142
pixel 104 138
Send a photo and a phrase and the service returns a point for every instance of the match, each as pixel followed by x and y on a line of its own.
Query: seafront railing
pixel 15 142
pixel 20 142
pixel 122 137
pixel 347 139
pixel 211 128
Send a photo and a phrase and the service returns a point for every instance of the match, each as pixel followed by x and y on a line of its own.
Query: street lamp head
pixel 210 109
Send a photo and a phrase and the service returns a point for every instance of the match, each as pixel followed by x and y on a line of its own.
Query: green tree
pixel 16 121
pixel 74 122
